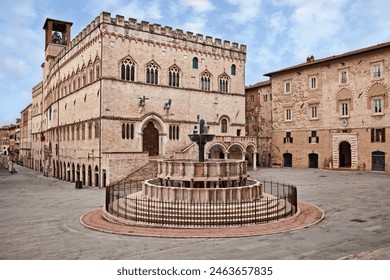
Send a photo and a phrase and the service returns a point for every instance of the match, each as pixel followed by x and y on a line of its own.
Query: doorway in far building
pixel 378 161
pixel 313 160
pixel 150 140
pixel 287 160
pixel 345 154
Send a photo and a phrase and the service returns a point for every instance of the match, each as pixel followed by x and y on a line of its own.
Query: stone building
pixel 333 112
pixel 25 137
pixel 9 148
pixel 258 112
pixel 123 92
pixel 37 129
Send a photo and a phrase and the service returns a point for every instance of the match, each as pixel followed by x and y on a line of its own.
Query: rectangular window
pixel 343 77
pixel 376 71
pixel 287 86
pixel 344 109
pixel 314 139
pixel 378 135
pixel 288 114
pixel 377 106
pixel 313 82
pixel 288 138
pixel 314 112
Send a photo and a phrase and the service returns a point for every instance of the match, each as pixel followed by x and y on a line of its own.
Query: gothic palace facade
pixel 123 92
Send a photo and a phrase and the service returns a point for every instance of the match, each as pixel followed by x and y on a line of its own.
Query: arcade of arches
pixel 87 175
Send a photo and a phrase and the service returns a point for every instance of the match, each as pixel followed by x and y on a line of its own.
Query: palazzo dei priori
pixel 124 92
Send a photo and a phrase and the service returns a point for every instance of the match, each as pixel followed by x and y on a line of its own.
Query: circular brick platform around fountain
pixel 307 215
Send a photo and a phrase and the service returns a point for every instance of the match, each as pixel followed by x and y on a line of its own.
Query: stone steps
pixel 198 214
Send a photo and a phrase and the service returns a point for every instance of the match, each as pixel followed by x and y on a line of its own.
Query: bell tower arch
pixel 57 37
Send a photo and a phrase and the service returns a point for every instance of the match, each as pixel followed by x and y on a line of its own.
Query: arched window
pixel 152 73
pixel 233 70
pixel 174 76
pixel 195 63
pixel 128 70
pixel 97 71
pixel 205 81
pixel 224 83
pixel 224 126
pixel 97 130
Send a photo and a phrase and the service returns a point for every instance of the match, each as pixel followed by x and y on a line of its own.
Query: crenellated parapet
pixel 168 31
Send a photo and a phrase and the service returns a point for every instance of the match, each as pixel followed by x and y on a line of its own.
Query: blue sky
pixel 278 34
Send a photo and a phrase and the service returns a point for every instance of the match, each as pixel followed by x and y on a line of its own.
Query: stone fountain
pixel 195 193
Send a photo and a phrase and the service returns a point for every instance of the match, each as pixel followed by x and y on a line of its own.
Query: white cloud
pixel 278 22
pixel 196 25
pixel 199 6
pixel 137 9
pixel 312 25
pixel 247 11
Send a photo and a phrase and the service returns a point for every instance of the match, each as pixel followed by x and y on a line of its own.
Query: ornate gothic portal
pixel 150 140
pixel 345 150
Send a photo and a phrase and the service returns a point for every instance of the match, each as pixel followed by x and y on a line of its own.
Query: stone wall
pixel 358 88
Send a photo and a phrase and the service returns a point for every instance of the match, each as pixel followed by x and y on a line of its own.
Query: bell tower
pixel 57 36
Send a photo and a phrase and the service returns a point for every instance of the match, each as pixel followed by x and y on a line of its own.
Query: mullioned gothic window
pixel 127 131
pixel 224 84
pixel 152 73
pixel 128 70
pixel 205 81
pixel 174 76
pixel 173 132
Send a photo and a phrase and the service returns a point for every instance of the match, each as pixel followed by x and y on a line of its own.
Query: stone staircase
pixel 137 209
pixel 141 174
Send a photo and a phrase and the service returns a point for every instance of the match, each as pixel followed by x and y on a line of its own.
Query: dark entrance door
pixel 313 160
pixel 378 161
pixel 287 158
pixel 150 140
pixel 345 154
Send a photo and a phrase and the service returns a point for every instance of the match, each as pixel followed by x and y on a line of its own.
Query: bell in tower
pixel 56 32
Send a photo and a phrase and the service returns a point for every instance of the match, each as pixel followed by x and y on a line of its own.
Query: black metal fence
pixel 279 202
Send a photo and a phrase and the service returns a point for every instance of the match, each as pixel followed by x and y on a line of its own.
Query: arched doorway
pixel 236 151
pixel 217 151
pixel 378 161
pixel 150 142
pixel 345 154
pixel 68 172
pixel 287 160
pixel 96 176
pixel 313 160
pixel 83 174
pixel 89 176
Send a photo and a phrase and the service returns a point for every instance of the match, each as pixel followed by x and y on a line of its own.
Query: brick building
pixel 333 112
pixel 123 92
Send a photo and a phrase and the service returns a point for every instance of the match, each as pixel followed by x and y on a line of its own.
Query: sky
pixel 278 34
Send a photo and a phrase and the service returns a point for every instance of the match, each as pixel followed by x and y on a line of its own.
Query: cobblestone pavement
pixel 40 219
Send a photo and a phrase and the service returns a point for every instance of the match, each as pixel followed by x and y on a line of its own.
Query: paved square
pixel 40 219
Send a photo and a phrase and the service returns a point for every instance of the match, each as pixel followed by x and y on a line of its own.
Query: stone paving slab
pixel 307 215
pixel 40 219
